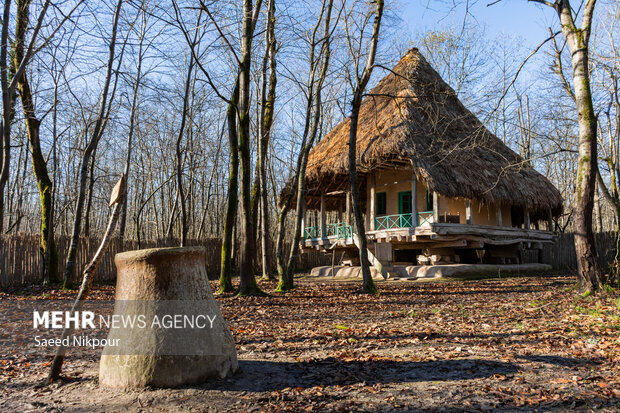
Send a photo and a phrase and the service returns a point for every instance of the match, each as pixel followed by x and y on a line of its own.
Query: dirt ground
pixel 512 344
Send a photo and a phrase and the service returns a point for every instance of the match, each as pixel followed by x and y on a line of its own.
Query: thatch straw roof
pixel 412 118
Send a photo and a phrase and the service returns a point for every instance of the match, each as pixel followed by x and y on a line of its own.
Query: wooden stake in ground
pixel 116 200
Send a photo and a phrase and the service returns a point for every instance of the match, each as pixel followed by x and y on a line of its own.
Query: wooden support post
pixel 322 217
pixel 469 217
pixel 435 207
pixel 414 187
pixel 550 221
pixel 373 201
pixel 526 219
pixel 303 217
pixel 499 215
pixel 348 195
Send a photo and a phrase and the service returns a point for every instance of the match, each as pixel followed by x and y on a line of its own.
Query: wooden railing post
pixel 414 187
pixel 322 218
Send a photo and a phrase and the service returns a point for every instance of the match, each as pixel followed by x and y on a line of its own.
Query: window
pixel 404 202
pixel 381 204
pixel 429 200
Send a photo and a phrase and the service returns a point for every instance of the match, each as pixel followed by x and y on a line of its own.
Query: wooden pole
pixel 348 195
pixel 499 215
pixel 322 217
pixel 469 217
pixel 435 207
pixel 303 217
pixel 373 200
pixel 526 219
pixel 414 187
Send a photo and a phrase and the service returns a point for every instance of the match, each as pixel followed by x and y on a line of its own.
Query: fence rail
pixel 22 264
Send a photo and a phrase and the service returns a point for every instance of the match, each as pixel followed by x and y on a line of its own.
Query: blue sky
pixel 514 17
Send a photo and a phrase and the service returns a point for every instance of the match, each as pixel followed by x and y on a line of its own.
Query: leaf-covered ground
pixel 513 344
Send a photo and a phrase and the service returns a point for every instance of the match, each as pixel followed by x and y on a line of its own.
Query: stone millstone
pixel 149 282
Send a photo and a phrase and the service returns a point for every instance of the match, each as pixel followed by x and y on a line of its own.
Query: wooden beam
pixel 414 186
pixel 435 207
pixel 550 221
pixel 373 200
pixel 469 217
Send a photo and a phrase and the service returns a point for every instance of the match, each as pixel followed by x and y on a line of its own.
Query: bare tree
pixel 91 147
pixel 577 39
pixel 319 64
pixel 361 81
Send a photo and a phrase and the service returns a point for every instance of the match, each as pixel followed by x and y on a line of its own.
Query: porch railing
pixel 340 230
pixel 403 220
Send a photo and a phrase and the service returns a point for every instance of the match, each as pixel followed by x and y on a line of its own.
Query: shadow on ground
pixel 267 376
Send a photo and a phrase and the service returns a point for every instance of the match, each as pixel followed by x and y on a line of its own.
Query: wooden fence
pixel 21 263
pixel 564 257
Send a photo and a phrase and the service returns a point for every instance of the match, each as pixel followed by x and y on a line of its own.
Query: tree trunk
pixel 247 280
pixel 589 273
pixel 179 155
pixel 311 126
pixel 226 268
pixel 368 283
pixel 44 184
pixel 8 104
pixel 267 112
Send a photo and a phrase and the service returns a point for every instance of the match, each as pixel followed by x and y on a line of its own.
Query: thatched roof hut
pixel 412 118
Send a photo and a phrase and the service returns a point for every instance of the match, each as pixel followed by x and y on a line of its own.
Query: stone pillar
pixel 154 284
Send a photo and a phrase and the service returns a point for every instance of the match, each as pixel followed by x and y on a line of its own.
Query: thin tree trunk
pixel 368 283
pixel 89 198
pixel 311 126
pixel 267 114
pixel 226 268
pixel 132 123
pixel 90 148
pixel 8 104
pixel 44 184
pixel 179 155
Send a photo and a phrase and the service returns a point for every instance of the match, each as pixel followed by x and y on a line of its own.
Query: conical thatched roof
pixel 412 117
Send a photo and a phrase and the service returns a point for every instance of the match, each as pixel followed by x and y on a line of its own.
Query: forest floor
pixel 510 344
